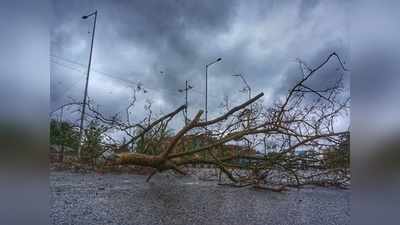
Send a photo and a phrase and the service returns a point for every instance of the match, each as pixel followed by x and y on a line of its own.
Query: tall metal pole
pixel 61 114
pixel 187 88
pixel 206 109
pixel 206 92
pixel 186 101
pixel 249 89
pixel 206 105
pixel 87 82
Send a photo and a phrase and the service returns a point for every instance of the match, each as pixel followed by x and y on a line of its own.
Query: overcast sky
pixel 135 40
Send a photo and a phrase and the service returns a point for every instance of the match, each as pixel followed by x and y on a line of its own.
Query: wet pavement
pixel 94 199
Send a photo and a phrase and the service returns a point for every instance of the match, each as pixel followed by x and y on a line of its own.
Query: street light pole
pixel 206 105
pixel 87 82
pixel 206 93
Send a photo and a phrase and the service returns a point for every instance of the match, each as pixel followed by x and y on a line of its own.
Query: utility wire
pixel 68 89
pixel 124 81
pixel 66 66
pixel 98 71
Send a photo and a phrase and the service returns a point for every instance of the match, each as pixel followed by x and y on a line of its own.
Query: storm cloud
pixel 160 44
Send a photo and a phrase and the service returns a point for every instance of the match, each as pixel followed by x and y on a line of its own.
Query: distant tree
pixel 92 146
pixel 339 157
pixel 63 134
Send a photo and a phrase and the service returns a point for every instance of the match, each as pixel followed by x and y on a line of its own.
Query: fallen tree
pixel 303 120
pixel 270 137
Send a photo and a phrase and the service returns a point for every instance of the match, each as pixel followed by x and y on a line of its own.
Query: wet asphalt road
pixel 93 199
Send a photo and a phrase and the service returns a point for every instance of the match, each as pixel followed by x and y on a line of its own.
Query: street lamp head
pixel 211 63
pixel 236 75
pixel 89 15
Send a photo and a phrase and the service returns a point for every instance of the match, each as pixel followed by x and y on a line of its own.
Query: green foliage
pixel 63 133
pixel 92 146
pixel 339 157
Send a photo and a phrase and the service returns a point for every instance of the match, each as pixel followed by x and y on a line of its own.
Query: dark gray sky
pixel 135 40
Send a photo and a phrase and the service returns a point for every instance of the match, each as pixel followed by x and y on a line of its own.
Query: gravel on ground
pixel 123 199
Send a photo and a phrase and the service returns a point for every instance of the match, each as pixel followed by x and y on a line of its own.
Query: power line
pixel 107 74
pixel 74 83
pixel 68 60
pixel 124 81
pixel 76 69
pixel 98 71
pixel 66 66
pixel 68 89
